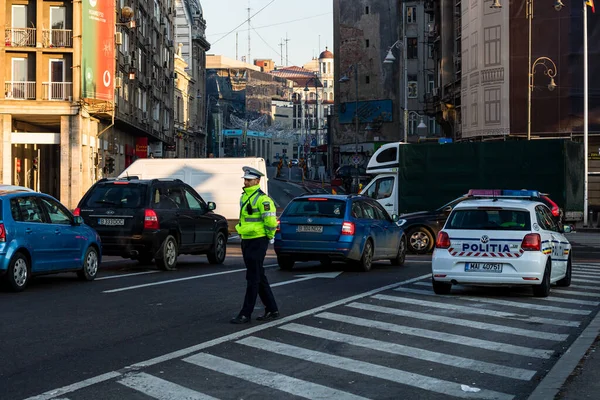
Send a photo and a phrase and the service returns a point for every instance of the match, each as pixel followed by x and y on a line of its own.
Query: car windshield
pixel 122 195
pixel 322 207
pixel 490 219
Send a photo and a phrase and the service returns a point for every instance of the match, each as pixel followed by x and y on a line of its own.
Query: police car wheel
pixel 543 289
pixel 566 281
pixel 440 287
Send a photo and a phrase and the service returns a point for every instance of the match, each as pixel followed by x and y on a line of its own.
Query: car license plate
pixel 310 228
pixel 111 221
pixel 483 267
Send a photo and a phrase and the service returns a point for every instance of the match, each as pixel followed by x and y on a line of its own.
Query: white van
pixel 215 179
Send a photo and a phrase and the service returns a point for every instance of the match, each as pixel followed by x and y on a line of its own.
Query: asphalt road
pixel 137 333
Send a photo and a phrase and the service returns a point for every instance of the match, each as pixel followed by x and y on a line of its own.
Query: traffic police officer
pixel 256 228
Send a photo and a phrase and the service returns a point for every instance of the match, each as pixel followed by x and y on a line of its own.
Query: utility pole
pixel 236 46
pixel 281 44
pixel 287 60
pixel 249 60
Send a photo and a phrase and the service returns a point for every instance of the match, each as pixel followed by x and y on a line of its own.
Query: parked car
pixel 154 219
pixel 422 227
pixel 39 235
pixel 502 241
pixel 348 228
pixel 294 161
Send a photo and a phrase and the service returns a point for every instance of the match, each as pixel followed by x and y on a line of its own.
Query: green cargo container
pixel 432 174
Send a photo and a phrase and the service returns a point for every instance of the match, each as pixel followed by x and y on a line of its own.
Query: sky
pixel 305 22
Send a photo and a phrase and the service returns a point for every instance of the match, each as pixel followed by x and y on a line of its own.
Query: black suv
pixel 153 219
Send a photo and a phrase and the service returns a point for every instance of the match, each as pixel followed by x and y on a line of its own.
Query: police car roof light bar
pixel 495 193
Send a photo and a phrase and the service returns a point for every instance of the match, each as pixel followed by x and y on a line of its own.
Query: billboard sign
pixel 98 50
pixel 368 111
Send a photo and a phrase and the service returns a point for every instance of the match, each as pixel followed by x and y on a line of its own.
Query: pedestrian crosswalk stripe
pixel 413 352
pixel 435 335
pixel 161 389
pixel 477 311
pixel 587 269
pixel 592 288
pixel 270 379
pixel 575 293
pixel 516 304
pixel 586 273
pixel 587 265
pixel 591 280
pixel 557 337
pixel 436 385
pixel 567 300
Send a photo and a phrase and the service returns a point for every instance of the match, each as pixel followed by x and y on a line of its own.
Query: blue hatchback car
pixel 38 235
pixel 349 228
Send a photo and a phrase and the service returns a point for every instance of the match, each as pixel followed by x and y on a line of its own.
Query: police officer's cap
pixel 252 173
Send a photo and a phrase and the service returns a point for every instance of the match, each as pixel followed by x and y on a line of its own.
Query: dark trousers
pixel 254 252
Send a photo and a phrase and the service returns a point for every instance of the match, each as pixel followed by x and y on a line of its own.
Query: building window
pixel 474 110
pixel 367 79
pixel 430 17
pixel 491 42
pixel 432 127
pixel 430 83
pixel 474 57
pixel 492 106
pixel 413 48
pixel 411 15
pixel 325 84
pixel 367 43
pixel 430 51
pixel 412 87
pixel 413 121
pixel 366 9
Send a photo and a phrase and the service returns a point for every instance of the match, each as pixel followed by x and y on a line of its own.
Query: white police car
pixel 501 238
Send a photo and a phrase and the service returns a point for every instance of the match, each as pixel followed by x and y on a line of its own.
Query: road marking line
pixel 281 321
pixel 477 311
pixel 588 274
pixel 126 275
pixel 413 352
pixel 188 278
pixel 508 303
pixel 588 280
pixel 446 388
pixel 574 293
pixel 587 269
pixel 51 394
pixel 592 288
pixel 161 389
pixel 557 337
pixel 268 378
pixel 195 348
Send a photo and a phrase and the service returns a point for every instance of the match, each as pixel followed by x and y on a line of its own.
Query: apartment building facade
pixel 87 88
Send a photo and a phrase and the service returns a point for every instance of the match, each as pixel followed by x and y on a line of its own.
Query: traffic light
pixel 35 163
pixel 110 165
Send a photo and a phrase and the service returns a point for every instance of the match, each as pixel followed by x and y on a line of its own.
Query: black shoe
pixel 268 316
pixel 240 319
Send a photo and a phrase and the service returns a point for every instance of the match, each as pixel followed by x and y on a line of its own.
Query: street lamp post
pixel 344 79
pixel 549 71
pixel 389 59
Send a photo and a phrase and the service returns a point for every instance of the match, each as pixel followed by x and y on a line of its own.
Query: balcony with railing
pixel 19 37
pixel 19 90
pixel 57 38
pixel 62 91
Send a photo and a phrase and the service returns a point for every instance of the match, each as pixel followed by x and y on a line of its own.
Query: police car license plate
pixel 483 267
pixel 310 228
pixel 111 221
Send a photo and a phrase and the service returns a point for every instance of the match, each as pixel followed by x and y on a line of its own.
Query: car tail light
pixel 278 226
pixel 532 242
pixel 150 220
pixel 77 212
pixel 2 233
pixel 348 228
pixel 443 240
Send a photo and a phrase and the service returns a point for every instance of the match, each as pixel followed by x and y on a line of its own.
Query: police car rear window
pixel 317 207
pixel 496 219
pixel 110 195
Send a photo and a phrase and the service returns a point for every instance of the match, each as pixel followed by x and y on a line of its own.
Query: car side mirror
pixel 567 229
pixel 395 217
pixel 77 220
pixel 212 206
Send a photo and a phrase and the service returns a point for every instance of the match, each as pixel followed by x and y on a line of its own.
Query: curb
pixel 550 386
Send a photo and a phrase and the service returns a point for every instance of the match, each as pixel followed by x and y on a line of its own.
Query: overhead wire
pixel 277 24
pixel 264 41
pixel 248 19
